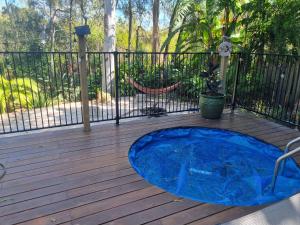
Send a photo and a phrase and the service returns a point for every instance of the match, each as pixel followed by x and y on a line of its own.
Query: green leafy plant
pixel 18 93
pixel 212 78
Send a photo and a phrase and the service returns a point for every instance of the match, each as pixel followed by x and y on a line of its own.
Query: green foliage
pixel 18 93
pixel 272 25
pixel 212 78
pixel 254 26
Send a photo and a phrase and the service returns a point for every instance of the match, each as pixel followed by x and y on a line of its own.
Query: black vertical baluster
pixel 170 68
pixel 248 86
pixel 201 82
pixel 90 90
pixel 105 74
pixel 35 69
pixel 50 77
pixel 147 71
pixel 288 96
pixel 297 76
pixel 62 87
pixel 135 99
pixel 186 60
pixel 18 89
pixel 2 123
pixel 68 83
pixel 119 83
pixel 165 78
pixel 126 87
pixel 101 74
pixel 10 95
pixel 275 87
pixel 74 84
pixel 44 87
pixel 281 90
pixel 96 83
pixel 78 72
pixel 132 73
pixel 284 87
pixel 111 78
pixel 263 89
pixel 297 113
pixel 178 68
pixel 242 82
pixel 153 80
pixel 144 70
pixel 33 101
pixel 277 93
pixel 116 86
pixel 6 99
pixel 157 78
pixel 56 86
pixel 244 78
pixel 273 84
pixel 255 80
pixel 186 76
pixel 236 82
pixel 181 65
pixel 160 83
pixel 1 112
pixel 181 76
pixel 161 71
pixel 158 74
pixel 258 85
pixel 240 90
pixel 187 70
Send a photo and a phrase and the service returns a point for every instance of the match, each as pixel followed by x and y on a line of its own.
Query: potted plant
pixel 211 100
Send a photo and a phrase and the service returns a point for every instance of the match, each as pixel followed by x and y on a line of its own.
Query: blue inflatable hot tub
pixel 213 166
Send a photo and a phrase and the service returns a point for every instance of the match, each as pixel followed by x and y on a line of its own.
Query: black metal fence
pixel 38 90
pixel 42 89
pixel 269 84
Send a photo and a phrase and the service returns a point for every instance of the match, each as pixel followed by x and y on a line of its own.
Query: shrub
pixel 18 93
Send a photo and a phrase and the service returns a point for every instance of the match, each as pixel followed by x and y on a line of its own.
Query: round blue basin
pixel 213 166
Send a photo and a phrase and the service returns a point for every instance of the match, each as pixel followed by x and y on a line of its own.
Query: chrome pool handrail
pixel 294 141
pixel 287 147
pixel 283 158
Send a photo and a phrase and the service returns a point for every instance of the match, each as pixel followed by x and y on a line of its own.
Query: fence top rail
pixel 159 53
pixel 36 52
pixel 101 52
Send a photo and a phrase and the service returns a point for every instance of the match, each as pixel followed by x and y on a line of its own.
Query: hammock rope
pixel 153 91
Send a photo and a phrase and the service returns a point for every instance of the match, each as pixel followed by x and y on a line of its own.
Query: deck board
pixel 70 177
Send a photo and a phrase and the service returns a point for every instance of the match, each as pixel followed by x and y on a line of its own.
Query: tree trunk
pixel 108 69
pixel 130 24
pixel 137 39
pixel 70 25
pixel 52 37
pixel 155 29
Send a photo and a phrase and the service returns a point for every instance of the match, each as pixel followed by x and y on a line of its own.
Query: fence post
pixel 223 68
pixel 236 80
pixel 224 51
pixel 81 31
pixel 116 61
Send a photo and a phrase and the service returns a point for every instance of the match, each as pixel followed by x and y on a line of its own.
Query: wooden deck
pixel 73 178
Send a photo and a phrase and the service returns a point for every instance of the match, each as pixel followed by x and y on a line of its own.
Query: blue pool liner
pixel 213 166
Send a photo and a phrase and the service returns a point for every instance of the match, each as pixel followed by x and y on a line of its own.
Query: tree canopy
pixel 182 25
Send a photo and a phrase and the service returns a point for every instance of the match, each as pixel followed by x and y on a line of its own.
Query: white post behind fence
pixel 224 51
